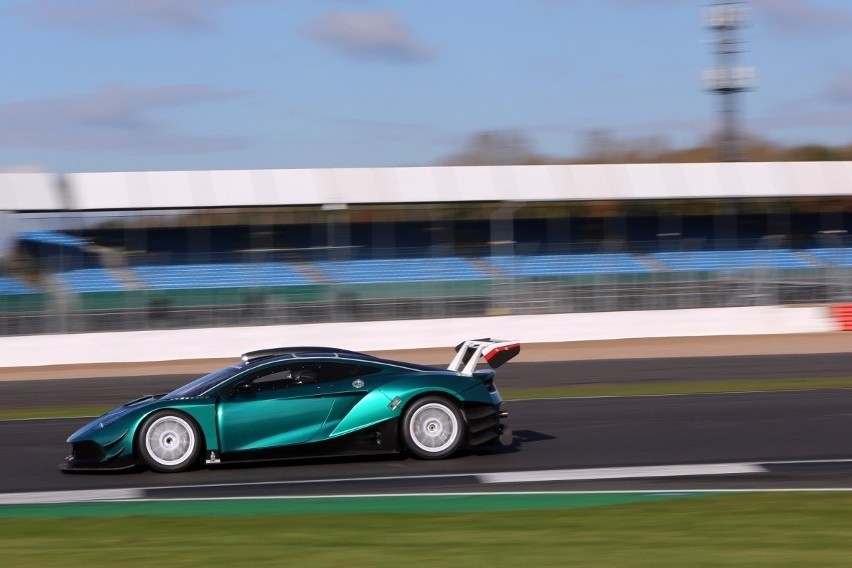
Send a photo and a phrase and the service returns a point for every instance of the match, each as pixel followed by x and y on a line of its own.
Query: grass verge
pixel 31 413
pixel 709 387
pixel 756 530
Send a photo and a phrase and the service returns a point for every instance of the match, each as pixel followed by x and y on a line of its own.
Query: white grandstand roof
pixel 243 188
pixel 29 192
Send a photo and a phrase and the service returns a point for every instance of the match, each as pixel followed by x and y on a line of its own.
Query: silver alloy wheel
pixel 433 428
pixel 170 441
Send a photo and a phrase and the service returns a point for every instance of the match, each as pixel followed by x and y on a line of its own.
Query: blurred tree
pixel 814 153
pixel 496 148
pixel 601 146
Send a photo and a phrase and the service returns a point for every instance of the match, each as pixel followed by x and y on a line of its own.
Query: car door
pixel 277 405
pixel 346 384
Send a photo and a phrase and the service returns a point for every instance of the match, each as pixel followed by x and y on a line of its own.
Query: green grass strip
pixel 314 505
pixel 754 530
pixel 663 388
pixel 71 412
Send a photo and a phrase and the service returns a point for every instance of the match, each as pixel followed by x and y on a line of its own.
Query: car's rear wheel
pixel 169 441
pixel 432 428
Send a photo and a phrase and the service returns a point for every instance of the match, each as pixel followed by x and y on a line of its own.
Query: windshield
pixel 205 383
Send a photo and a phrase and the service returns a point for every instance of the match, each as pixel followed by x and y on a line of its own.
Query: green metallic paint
pixel 369 410
pixel 463 389
pixel 278 418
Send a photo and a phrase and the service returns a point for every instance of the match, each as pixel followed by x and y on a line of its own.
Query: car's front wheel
pixel 169 441
pixel 432 428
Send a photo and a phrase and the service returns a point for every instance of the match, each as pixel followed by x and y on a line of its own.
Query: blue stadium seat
pixel 839 256
pixel 730 259
pixel 14 286
pixel 53 238
pixel 90 280
pixel 569 264
pixel 188 276
pixel 398 270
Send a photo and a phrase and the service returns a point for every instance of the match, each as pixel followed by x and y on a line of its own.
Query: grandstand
pixel 569 264
pixel 13 287
pixel 833 256
pixel 713 260
pixel 183 249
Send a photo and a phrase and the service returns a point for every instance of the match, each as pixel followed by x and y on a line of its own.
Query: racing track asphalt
pixel 112 391
pixel 549 434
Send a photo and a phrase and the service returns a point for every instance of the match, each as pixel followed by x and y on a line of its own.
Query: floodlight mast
pixel 726 18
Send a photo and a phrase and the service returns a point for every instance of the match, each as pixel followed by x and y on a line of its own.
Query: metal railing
pixel 53 308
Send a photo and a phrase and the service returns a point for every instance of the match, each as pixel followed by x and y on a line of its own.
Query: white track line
pixel 70 496
pixel 586 474
pixel 622 473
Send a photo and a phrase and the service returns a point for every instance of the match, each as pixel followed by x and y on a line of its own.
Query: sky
pixel 137 85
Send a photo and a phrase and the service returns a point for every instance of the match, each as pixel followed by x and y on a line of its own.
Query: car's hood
pixel 115 415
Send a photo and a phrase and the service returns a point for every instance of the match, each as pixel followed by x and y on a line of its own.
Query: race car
pixel 301 402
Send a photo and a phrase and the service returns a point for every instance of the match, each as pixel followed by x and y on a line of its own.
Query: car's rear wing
pixel 494 351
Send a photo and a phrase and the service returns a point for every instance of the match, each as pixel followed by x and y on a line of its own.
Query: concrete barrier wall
pixel 173 345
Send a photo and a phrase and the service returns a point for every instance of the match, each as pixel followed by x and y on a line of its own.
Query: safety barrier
pixel 842 314
pixel 223 342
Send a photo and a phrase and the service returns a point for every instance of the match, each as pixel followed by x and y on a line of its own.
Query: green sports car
pixel 299 402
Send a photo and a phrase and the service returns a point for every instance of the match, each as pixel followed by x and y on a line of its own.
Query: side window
pixel 271 379
pixel 305 374
pixel 342 371
pixel 364 370
pixel 298 374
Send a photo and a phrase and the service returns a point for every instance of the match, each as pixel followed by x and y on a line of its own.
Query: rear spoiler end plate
pixel 496 352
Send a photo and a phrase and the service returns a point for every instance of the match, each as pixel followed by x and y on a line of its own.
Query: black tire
pixel 169 441
pixel 433 428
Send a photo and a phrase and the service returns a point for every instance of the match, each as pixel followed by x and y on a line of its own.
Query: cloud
pixel 116 117
pixel 800 17
pixel 380 34
pixel 122 16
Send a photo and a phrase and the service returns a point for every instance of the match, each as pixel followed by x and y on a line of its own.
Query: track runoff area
pixel 496 490
pixel 473 493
